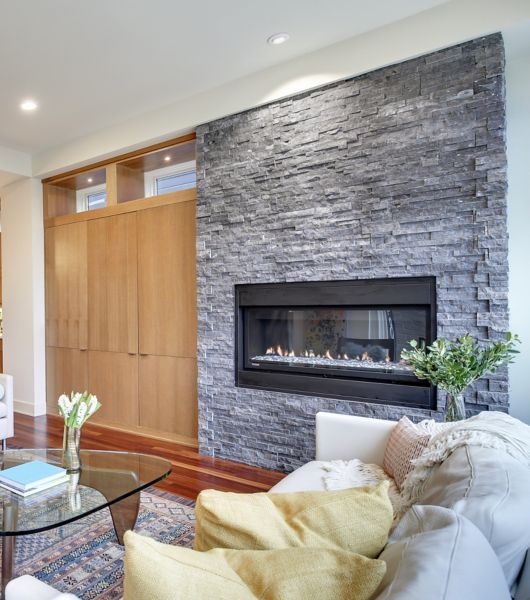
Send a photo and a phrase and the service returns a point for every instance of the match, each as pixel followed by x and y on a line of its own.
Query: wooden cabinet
pixel 66 371
pixel 167 304
pixel 66 286
pixel 112 281
pixel 121 298
pixel 113 377
pixel 168 394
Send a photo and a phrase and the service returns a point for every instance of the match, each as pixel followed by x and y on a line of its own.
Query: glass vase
pixel 455 408
pixel 71 442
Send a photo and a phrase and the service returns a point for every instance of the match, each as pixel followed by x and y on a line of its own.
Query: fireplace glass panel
pixel 340 339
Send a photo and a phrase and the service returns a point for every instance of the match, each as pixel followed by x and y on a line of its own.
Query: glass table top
pixel 105 478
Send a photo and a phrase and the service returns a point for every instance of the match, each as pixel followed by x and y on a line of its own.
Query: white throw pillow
pixel 436 554
pixel 491 489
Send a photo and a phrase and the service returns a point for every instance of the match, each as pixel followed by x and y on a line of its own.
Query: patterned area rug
pixel 84 558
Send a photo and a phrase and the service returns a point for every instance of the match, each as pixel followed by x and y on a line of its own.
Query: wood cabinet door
pixel 168 394
pixel 113 378
pixel 112 284
pixel 167 303
pixel 66 371
pixel 66 286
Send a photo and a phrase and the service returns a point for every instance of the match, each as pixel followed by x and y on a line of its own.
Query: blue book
pixel 31 475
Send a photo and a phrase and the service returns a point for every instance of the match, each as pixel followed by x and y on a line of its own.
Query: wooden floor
pixel 190 474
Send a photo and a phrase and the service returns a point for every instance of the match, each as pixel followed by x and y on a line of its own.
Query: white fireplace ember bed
pixel 325 362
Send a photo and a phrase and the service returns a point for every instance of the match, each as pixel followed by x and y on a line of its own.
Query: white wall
pixel 14 165
pixel 518 144
pixel 23 293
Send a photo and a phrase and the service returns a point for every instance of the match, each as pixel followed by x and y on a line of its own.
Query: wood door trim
pixel 124 207
pixel 103 163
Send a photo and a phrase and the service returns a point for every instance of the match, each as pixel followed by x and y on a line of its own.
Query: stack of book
pixel 32 477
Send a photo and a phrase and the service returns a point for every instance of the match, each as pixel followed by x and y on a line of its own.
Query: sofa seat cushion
pixel 356 519
pixel 3 410
pixel 437 554
pixel 492 490
pixel 155 571
pixel 308 478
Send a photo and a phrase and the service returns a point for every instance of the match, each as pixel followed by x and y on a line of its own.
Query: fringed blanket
pixel 488 429
pixel 342 474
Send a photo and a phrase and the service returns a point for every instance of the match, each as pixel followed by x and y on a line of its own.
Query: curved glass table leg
pixel 124 514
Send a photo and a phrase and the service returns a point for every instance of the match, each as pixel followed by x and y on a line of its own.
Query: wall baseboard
pixel 27 408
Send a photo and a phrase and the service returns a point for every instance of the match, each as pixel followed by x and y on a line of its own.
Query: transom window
pixel 174 178
pixel 91 198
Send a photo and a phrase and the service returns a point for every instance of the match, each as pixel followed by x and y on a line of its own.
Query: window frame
pixel 151 177
pixel 83 194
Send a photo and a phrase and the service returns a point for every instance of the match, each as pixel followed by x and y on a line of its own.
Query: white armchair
pixel 6 408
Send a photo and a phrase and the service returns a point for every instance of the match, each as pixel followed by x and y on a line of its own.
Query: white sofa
pixel 479 492
pixel 461 545
pixel 6 408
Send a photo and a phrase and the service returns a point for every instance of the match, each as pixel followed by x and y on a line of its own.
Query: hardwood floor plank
pixel 190 474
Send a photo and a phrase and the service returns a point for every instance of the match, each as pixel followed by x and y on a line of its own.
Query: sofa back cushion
pixel 437 554
pixel 492 490
pixel 155 571
pixel 356 519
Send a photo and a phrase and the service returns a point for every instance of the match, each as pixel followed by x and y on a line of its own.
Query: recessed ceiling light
pixel 167 158
pixel 277 39
pixel 28 105
pixel 90 180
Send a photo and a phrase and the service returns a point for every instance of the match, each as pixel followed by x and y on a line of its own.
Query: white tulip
pixel 77 408
pixel 80 417
pixel 64 405
pixel 93 405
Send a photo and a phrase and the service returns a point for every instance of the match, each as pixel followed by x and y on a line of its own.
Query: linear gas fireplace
pixel 339 339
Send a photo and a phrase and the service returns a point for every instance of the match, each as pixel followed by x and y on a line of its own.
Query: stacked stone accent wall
pixel 397 172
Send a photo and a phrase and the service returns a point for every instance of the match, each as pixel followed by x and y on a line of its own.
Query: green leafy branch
pixel 453 365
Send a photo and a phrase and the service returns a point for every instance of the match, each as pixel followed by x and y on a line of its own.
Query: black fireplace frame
pixel 365 293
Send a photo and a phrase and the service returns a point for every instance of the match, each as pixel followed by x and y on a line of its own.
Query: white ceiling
pixel 94 63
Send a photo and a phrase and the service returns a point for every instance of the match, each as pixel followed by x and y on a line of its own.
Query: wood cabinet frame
pixel 59 190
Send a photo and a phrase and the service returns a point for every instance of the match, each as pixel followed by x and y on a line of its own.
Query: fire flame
pixel 278 350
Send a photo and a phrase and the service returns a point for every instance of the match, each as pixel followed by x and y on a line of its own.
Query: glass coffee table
pixel 106 479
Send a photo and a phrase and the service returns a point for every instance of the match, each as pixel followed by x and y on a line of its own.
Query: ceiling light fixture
pixel 90 180
pixel 167 158
pixel 277 39
pixel 28 105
